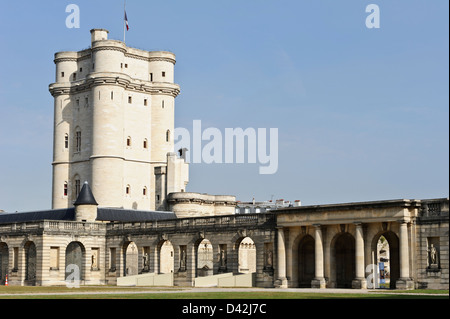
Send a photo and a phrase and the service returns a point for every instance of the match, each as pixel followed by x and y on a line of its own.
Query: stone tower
pixel 113 126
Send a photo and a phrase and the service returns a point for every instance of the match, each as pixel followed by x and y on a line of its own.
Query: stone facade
pixel 432 232
pixel 326 246
pixel 161 247
pixel 195 204
pixel 341 242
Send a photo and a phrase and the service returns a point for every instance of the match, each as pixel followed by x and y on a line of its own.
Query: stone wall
pixel 432 231
pixel 185 204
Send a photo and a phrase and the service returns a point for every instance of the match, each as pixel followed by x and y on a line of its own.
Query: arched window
pixel 127 190
pixel 144 191
pixel 168 136
pixel 145 144
pixel 66 141
pixel 65 189
pixel 128 141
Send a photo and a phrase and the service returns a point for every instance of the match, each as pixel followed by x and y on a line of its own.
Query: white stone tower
pixel 113 126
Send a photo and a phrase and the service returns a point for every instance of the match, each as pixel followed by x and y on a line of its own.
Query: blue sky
pixel 362 114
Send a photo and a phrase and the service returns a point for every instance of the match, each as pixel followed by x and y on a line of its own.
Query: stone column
pixel 319 280
pixel 191 264
pixel 281 281
pixel 359 282
pixel 404 282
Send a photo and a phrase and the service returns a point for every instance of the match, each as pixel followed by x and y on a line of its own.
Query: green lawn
pixel 177 293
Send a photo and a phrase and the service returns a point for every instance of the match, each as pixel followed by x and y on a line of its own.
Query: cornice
pixel 128 84
pixel 109 48
pixel 150 59
pixel 58 60
pixel 200 201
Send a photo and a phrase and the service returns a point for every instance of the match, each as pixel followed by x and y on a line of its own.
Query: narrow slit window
pixel 77 188
pixel 66 141
pixel 112 95
pixel 145 102
pixel 129 141
pixel 65 189
pixel 130 100
pixel 163 74
pixel 151 77
pixel 78 141
pixel 62 74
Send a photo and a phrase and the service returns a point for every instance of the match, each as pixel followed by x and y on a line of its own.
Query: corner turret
pixel 85 205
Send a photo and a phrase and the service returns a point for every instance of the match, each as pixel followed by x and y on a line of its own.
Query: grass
pixel 113 292
pixel 89 289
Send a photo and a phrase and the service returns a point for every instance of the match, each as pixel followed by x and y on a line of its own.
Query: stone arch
pixel 306 261
pixel 75 256
pixel 166 257
pixel 131 259
pixel 4 262
pixel 343 259
pixel 394 255
pixel 30 263
pixel 204 258
pixel 246 255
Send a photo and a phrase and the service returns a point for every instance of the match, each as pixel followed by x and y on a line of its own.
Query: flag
pixel 126 21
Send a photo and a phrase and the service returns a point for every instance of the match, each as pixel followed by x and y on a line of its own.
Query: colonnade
pixel 362 247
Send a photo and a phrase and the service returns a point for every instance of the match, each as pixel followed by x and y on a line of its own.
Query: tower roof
pixel 85 197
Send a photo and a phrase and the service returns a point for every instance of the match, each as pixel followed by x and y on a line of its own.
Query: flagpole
pixel 124 22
